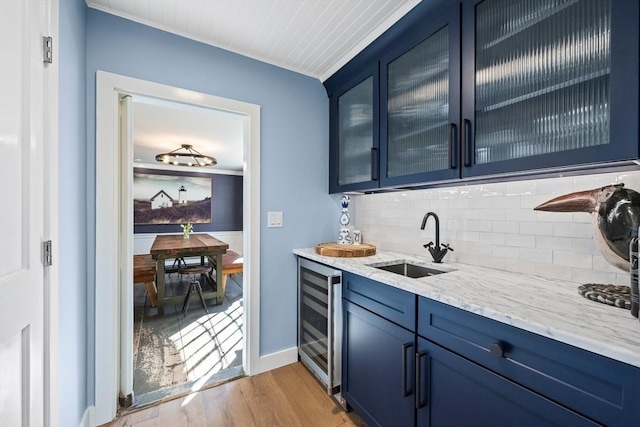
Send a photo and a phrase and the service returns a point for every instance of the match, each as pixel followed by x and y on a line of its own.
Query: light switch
pixel 274 219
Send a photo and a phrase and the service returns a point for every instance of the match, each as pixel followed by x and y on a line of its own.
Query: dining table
pixel 172 246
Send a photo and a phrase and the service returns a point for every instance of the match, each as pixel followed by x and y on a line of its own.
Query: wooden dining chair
pixel 144 271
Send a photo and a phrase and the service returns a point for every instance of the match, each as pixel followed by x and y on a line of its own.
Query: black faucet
pixel 436 251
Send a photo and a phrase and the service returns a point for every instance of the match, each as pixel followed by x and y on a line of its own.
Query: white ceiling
pixel 161 126
pixel 312 37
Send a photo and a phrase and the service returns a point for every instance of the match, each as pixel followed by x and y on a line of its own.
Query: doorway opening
pixel 190 344
pixel 114 248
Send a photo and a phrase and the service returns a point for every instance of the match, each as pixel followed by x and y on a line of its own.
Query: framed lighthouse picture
pixel 168 197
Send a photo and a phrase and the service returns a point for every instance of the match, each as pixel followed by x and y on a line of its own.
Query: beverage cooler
pixel 320 322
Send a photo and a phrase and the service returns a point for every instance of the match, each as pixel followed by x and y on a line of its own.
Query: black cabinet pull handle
pixel 420 382
pixel 374 164
pixel 405 390
pixel 496 349
pixel 467 148
pixel 453 133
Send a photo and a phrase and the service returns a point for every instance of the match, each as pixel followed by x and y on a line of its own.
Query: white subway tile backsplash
pixel 571 259
pixel 559 272
pixel 505 251
pixel 467 258
pixel 478 225
pixel 554 187
pixel 588 182
pixel 490 261
pixel 521 241
pixel 582 217
pixel 630 180
pixel 622 279
pixel 583 276
pixel 492 238
pixel 520 266
pixel 542 216
pixel 509 227
pixel 580 230
pixel 599 263
pixel 462 247
pixel 520 188
pixel 554 243
pixel 537 255
pixel 585 246
pixel 470 214
pixel 448 193
pixel 494 214
pixel 432 204
pixel 505 202
pixel 480 203
pixel 536 228
pixel 520 214
pixel 494 225
pixel 461 203
pixel 494 190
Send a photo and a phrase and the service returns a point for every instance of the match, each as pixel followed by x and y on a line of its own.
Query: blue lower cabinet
pixel 378 368
pixel 604 390
pixel 453 391
pixel 453 368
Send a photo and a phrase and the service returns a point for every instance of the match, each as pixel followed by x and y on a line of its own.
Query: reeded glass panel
pixel 418 108
pixel 542 77
pixel 355 133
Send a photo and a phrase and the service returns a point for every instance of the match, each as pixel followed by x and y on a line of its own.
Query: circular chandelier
pixel 186 156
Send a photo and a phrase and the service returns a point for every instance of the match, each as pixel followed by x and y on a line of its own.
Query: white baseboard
pixel 88 418
pixel 278 359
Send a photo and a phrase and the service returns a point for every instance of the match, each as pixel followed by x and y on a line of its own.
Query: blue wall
pixel 294 145
pixel 72 259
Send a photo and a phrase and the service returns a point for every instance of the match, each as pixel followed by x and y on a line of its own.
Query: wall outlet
pixel 274 219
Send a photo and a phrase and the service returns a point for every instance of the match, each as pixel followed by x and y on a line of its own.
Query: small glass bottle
pixel 633 272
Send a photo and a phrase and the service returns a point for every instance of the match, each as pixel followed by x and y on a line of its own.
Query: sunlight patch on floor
pixel 210 343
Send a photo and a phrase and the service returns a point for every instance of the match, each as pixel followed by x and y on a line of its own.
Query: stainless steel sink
pixel 409 270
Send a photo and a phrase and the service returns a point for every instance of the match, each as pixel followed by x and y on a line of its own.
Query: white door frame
pixel 109 88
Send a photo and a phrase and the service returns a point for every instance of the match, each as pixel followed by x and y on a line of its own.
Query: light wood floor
pixel 288 396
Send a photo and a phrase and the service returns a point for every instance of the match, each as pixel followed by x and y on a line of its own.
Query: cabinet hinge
pixel 47 50
pixel 47 256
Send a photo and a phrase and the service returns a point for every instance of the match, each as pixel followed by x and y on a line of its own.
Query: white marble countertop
pixel 550 308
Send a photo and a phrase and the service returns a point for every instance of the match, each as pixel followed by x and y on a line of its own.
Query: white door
pixel 22 122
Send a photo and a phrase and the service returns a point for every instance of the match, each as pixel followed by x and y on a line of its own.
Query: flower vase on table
pixel 186 230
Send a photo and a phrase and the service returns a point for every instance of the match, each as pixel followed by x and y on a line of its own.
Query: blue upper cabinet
pixel 354 133
pixel 548 84
pixel 486 87
pixel 420 102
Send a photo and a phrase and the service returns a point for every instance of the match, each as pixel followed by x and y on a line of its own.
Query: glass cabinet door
pixel 355 136
pixel 541 87
pixel 420 105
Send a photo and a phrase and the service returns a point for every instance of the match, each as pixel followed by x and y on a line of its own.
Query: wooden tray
pixel 345 251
